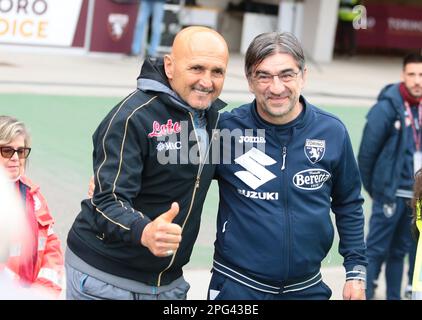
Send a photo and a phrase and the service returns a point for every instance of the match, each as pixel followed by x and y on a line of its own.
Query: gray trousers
pixel 81 286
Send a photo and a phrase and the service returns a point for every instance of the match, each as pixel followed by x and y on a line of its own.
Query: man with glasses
pixel 274 226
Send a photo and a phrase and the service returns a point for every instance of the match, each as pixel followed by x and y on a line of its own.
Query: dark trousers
pixel 388 240
pixel 347 37
pixel 412 258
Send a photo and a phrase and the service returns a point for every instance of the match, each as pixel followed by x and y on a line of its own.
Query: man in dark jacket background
pixel 152 173
pixel 389 155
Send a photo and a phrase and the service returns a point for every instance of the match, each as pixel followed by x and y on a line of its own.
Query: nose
pixel 206 80
pixel 277 86
pixel 14 157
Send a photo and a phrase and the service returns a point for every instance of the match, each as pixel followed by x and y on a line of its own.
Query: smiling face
pixel 277 100
pixel 197 66
pixel 14 166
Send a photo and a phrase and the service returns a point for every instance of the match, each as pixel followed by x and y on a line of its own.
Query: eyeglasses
pixel 8 152
pixel 263 77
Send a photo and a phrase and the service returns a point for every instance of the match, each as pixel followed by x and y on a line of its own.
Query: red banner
pixel 391 26
pixel 113 26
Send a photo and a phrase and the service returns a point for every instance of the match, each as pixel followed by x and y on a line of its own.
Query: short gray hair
pixel 11 128
pixel 269 43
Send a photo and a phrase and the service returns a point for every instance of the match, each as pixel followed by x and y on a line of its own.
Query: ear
pixel 168 66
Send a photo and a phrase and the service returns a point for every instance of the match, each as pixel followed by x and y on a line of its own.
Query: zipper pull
pixel 224 227
pixel 284 158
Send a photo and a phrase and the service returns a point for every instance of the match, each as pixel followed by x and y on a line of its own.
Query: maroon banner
pixel 392 26
pixel 113 26
pixel 79 38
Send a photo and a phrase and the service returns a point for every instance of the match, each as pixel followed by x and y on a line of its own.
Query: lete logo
pixel 311 179
pixel 159 130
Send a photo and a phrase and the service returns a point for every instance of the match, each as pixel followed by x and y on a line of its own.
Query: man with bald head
pixel 151 172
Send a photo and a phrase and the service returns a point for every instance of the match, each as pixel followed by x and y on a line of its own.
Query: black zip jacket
pixel 133 186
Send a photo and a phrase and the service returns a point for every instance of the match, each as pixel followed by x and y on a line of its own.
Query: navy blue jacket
pixel 381 153
pixel 274 220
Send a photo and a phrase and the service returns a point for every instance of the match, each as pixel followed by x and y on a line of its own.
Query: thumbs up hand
pixel 170 214
pixel 91 187
pixel 161 236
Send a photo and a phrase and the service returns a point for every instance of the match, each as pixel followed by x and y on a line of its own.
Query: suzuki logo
pixel 254 162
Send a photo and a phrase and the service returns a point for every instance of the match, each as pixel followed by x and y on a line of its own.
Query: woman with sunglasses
pixel 39 262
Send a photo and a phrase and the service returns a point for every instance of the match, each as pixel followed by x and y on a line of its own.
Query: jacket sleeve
pixel 347 206
pixel 51 272
pixel 50 262
pixel 375 134
pixel 119 145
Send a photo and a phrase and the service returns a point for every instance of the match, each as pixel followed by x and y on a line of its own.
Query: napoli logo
pixel 314 150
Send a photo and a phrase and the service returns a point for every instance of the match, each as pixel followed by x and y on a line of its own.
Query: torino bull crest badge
pixel 116 25
pixel 314 150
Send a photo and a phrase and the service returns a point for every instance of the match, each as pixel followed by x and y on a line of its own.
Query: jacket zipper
pixel 284 158
pixel 196 187
pixel 286 206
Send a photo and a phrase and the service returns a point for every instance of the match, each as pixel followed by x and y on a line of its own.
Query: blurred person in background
pixel 148 8
pixel 38 262
pixel 389 155
pixel 346 30
pixel 411 261
pixel 416 281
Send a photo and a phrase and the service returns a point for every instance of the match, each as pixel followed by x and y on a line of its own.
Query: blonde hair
pixel 11 128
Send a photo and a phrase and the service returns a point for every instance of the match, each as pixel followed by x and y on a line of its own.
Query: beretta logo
pixel 311 179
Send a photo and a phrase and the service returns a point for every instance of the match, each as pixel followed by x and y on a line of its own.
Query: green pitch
pixel 60 162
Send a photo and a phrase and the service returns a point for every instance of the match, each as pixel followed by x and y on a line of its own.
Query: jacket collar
pixel 391 92
pixel 41 211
